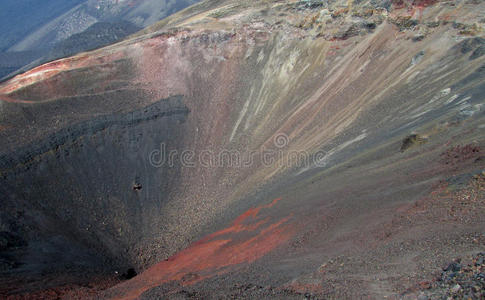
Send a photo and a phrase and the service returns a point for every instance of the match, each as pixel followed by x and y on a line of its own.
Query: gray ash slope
pixel 44 28
pixel 97 35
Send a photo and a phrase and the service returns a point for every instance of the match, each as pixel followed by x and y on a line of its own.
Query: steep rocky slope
pixel 270 149
pixel 61 19
pixel 56 28
pixel 96 36
pixel 18 18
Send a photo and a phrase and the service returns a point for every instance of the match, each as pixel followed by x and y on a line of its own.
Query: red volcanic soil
pixel 51 69
pixel 40 73
pixel 12 100
pixel 249 238
pixel 417 3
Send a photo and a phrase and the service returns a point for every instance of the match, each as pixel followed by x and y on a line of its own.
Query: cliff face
pixel 362 119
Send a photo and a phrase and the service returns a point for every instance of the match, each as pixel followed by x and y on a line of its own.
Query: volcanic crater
pixel 371 114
